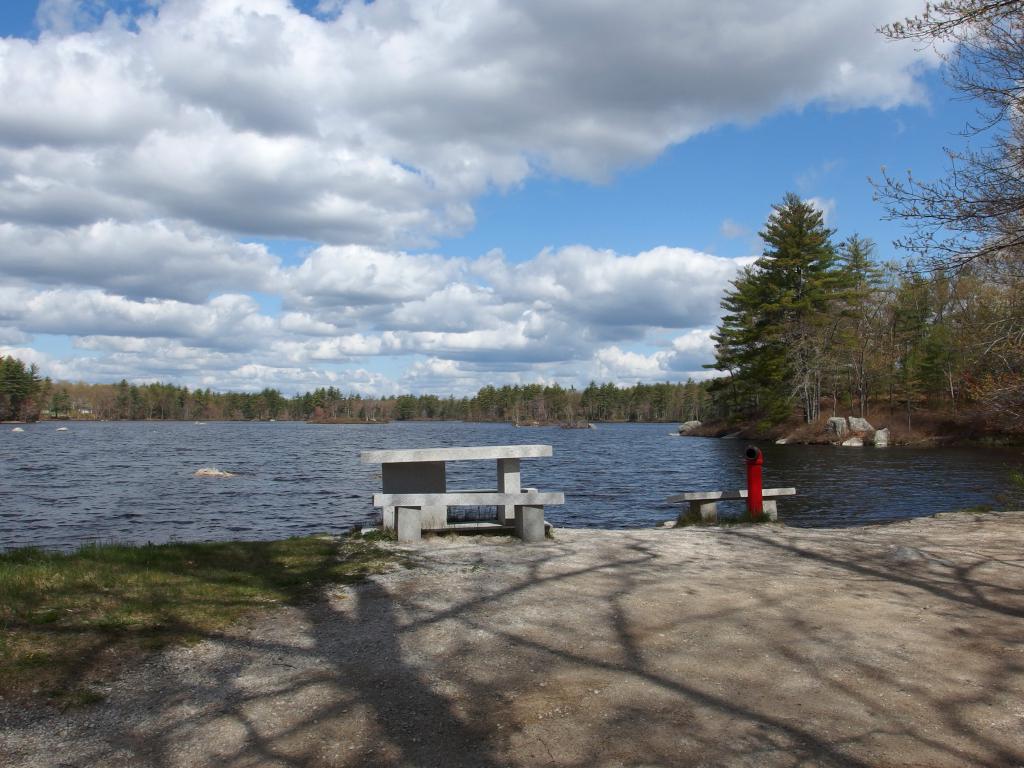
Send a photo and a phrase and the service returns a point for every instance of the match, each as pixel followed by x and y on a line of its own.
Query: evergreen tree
pixel 777 327
pixel 20 386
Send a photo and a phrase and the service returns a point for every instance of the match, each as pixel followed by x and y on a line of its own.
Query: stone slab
pixel 467 499
pixel 414 477
pixel 408 524
pixel 508 476
pixel 725 495
pixel 464 453
pixel 530 523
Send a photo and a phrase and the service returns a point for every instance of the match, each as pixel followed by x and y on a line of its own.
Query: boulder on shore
pixel 857 424
pixel 837 426
pixel 882 438
pixel 688 426
pixel 853 442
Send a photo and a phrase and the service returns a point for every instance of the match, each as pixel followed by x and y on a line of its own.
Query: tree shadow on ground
pixel 647 652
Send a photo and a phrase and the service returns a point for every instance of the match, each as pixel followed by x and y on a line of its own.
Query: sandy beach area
pixel 894 645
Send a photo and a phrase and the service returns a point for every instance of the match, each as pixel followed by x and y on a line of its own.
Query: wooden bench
pixel 705 503
pixel 413 512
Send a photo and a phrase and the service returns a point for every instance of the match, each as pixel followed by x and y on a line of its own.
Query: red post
pixel 755 501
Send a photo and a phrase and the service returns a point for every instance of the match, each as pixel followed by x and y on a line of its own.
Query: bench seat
pixel 418 512
pixel 467 499
pixel 704 503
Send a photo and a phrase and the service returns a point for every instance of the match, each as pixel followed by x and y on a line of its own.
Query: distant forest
pixel 25 395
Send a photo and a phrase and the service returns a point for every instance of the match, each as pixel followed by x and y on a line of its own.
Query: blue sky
pixel 733 173
pixel 412 195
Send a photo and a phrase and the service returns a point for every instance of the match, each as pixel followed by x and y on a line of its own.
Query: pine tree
pixel 777 328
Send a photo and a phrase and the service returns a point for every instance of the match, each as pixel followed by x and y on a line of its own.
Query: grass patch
pixel 690 519
pixel 977 509
pixel 381 534
pixel 67 620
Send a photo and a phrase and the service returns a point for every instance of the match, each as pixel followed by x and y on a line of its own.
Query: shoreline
pixel 792 434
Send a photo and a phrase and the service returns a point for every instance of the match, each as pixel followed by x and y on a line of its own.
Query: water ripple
pixel 125 481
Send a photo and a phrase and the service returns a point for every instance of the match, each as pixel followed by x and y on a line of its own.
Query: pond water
pixel 132 481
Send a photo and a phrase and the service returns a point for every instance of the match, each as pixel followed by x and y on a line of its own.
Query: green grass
pixel 977 509
pixel 67 620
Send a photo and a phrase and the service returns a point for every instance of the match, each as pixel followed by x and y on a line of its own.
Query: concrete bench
pixel 417 478
pixel 418 512
pixel 705 503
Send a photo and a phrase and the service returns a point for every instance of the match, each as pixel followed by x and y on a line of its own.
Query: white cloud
pixel 28 355
pixel 253 377
pixel 827 206
pixel 226 321
pixel 812 176
pixel 340 277
pixel 382 124
pixel 304 324
pixel 137 153
pixel 9 335
pixel 517 321
pixel 614 364
pixel 731 229
pixel 155 259
pixel 663 287
pixel 688 353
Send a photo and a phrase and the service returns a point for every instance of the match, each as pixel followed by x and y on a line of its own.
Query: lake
pixel 132 481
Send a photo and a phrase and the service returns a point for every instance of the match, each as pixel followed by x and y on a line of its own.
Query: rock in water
pixel 882 438
pixel 853 442
pixel 17 429
pixel 687 426
pixel 212 472
pixel 857 424
pixel 837 426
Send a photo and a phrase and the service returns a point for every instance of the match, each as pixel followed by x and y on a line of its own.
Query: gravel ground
pixel 897 645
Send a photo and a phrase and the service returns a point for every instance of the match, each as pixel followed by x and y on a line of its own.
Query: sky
pixel 428 195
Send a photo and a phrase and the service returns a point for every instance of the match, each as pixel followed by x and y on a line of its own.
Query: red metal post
pixel 755 501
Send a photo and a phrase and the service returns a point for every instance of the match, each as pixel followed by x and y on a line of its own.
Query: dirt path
pixel 899 645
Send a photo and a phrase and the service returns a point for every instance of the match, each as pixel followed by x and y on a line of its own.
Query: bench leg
pixel 508 482
pixel 771 509
pixel 706 510
pixel 387 518
pixel 530 522
pixel 409 523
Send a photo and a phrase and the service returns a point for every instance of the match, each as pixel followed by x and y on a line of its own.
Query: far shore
pixel 931 434
pixel 895 645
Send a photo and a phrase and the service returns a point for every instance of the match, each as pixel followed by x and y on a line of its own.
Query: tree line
pixel 21 389
pixel 817 324
pixel 526 404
